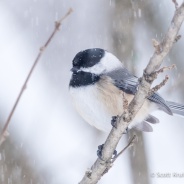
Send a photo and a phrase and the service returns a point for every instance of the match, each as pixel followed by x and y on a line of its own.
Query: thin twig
pixel 125 114
pixel 150 77
pixel 125 102
pixel 130 143
pixel 175 3
pixel 42 49
pixel 156 73
pixel 157 87
pixel 163 69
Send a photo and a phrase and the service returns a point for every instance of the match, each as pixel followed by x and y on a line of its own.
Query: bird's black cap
pixel 88 58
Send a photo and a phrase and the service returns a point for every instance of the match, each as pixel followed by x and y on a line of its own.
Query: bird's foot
pixel 114 121
pixel 99 152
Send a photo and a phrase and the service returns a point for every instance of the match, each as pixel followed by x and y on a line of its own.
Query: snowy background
pixel 49 143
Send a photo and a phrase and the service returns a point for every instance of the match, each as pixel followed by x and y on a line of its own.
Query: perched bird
pixel 97 85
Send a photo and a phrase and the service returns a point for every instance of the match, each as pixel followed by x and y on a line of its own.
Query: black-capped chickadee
pixel 97 85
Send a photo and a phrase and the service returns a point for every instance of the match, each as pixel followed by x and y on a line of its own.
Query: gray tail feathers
pixel 176 108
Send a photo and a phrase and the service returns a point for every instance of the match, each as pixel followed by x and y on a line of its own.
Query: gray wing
pixel 124 80
pixel 128 83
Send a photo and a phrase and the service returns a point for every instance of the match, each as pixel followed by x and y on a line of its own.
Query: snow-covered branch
pixel 161 50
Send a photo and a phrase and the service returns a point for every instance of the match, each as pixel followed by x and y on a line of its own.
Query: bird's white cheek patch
pixel 107 64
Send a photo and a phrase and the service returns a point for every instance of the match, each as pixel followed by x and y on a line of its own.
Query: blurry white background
pixel 49 143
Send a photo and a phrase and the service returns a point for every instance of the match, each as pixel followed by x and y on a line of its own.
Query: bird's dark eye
pixel 75 62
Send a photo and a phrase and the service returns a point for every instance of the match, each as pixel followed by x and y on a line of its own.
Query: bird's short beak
pixel 74 70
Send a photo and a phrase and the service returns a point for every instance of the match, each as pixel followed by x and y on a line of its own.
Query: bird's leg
pixel 99 152
pixel 114 121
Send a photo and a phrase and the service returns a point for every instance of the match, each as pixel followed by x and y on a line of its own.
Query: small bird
pixel 99 81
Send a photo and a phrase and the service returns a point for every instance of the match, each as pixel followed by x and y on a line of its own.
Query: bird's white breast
pixel 89 106
pixel 97 104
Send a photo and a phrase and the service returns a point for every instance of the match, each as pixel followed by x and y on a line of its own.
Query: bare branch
pixel 4 136
pixel 157 87
pixel 163 69
pixel 156 45
pixel 42 49
pixel 130 143
pixel 146 80
pixel 167 42
pixel 175 3
pixel 110 164
pixel 125 102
